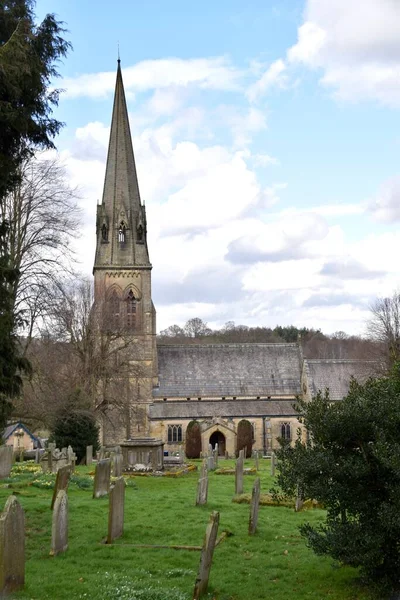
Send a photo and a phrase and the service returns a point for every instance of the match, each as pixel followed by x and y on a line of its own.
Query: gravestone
pixel 37 456
pixel 12 547
pixel 89 455
pixel 239 473
pixel 62 480
pixel 299 500
pixel 102 478
pixel 116 510
pixel 226 454
pixel 215 456
pixel 202 486
pixel 273 464
pixel 256 461
pixel 210 463
pixel 59 529
pixel 254 506
pixel 207 552
pixel 102 453
pixel 117 465
pixel 6 460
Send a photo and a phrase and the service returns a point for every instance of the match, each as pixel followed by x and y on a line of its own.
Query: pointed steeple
pixel 121 219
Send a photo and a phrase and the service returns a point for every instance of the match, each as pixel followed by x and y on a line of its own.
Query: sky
pixel 266 136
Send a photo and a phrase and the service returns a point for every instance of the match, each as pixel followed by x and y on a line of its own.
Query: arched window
pixel 104 233
pixel 285 431
pixel 130 310
pixel 114 309
pixel 140 233
pixel 122 233
pixel 174 433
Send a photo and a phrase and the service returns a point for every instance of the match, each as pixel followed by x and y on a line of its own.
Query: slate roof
pixel 9 430
pixel 202 409
pixel 336 375
pixel 216 370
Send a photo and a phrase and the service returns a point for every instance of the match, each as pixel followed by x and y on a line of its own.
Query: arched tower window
pixel 130 310
pixel 114 309
pixel 122 233
pixel 140 233
pixel 104 233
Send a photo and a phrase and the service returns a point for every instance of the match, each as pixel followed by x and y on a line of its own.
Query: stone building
pixel 163 388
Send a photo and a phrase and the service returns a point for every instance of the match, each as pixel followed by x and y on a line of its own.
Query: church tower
pixel 122 277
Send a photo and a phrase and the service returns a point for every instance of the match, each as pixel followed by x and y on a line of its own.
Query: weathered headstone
pixel 207 551
pixel 12 547
pixel 117 465
pixel 226 454
pixel 116 510
pixel 59 530
pixel 210 463
pixel 89 455
pixel 202 486
pixel 62 480
pixel 37 456
pixel 254 506
pixel 102 478
pixel 102 453
pixel 273 464
pixel 256 461
pixel 50 459
pixel 239 473
pixel 215 456
pixel 6 460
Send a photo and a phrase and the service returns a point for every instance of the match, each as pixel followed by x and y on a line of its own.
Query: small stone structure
pixel 116 510
pixel 6 460
pixel 89 455
pixel 207 552
pixel 53 459
pixel 12 547
pixel 143 451
pixel 102 475
pixel 254 506
pixel 62 480
pixel 59 530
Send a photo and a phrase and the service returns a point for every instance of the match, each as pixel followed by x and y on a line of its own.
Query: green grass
pixel 273 565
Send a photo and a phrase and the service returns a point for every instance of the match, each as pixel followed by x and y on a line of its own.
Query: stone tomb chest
pixel 143 451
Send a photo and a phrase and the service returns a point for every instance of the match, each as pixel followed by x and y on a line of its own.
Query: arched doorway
pixel 218 438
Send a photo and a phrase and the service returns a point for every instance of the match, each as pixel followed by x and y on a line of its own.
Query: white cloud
pixel 385 207
pixel 207 73
pixel 274 76
pixel 356 45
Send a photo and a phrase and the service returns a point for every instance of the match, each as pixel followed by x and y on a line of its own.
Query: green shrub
pixel 77 429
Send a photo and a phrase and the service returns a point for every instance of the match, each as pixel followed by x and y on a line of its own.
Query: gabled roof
pixel 196 409
pixel 221 370
pixel 336 374
pixel 9 430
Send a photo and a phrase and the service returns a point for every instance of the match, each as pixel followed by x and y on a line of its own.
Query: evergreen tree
pixel 193 440
pixel 244 437
pixel 351 464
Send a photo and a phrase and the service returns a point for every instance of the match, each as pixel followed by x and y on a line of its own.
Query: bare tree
pixel 44 216
pixel 384 327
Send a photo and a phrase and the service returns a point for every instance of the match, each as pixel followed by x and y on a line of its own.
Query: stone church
pixel 164 387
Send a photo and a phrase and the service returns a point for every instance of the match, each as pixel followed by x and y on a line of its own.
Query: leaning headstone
pixel 116 510
pixel 59 530
pixel 12 547
pixel 117 465
pixel 6 461
pixel 102 478
pixel 239 474
pixel 89 455
pixel 207 551
pixel 254 506
pixel 62 480
pixel 273 464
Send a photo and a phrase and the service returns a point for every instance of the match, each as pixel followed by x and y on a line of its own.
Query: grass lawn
pixel 272 565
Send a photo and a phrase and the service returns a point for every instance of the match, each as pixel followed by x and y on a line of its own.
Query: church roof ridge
pixel 232 345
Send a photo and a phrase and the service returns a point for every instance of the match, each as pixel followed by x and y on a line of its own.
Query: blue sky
pixel 266 137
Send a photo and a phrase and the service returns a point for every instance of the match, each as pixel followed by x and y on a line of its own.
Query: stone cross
pixel 207 551
pixel 62 480
pixel 254 506
pixel 12 547
pixel 89 455
pixel 116 510
pixel 102 478
pixel 6 460
pixel 59 530
pixel 239 473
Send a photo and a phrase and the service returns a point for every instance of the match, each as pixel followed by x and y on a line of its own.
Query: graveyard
pixel 165 520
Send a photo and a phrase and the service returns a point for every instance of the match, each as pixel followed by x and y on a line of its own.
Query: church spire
pixel 121 219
